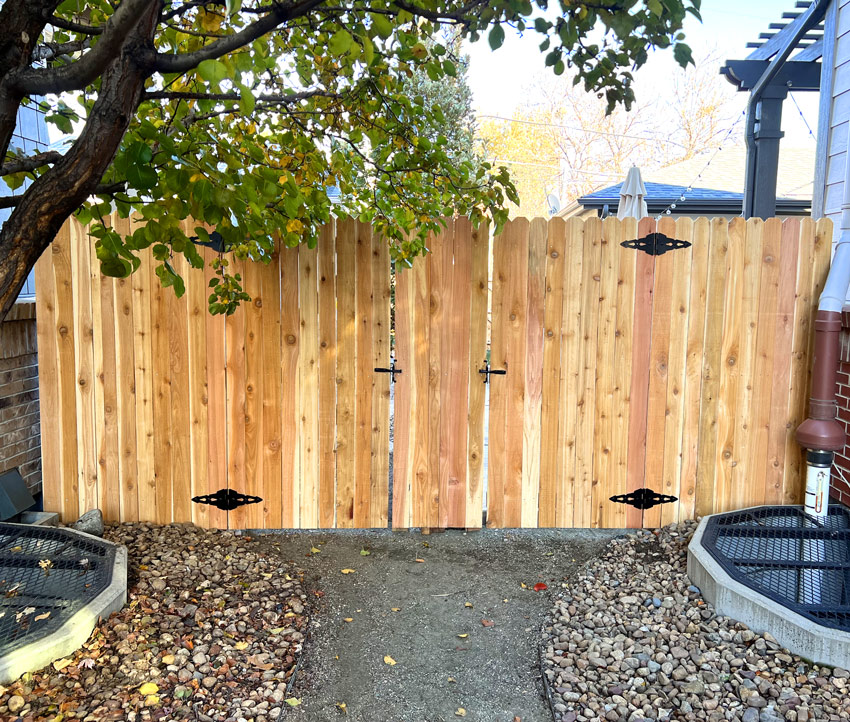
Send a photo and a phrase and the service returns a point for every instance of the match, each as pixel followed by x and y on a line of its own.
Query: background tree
pixel 575 146
pixel 241 113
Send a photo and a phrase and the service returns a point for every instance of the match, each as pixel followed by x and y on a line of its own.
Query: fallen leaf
pixel 241 645
pixel 365 552
pixel 389 660
pixel 257 661
pixel 347 571
pixel 289 614
pixel 452 680
pixel 151 700
pixel 540 586
pixel 468 604
pixel 517 719
pixel 41 616
pixel 17 549
pixel 461 712
pixel 421 561
pixel 396 609
pixel 168 659
pixel 348 619
pixel 293 701
pixel 463 636
pixel 276 630
pixel 487 623
pixel 341 707
pixel 315 551
pixel 522 584
pixel 148 688
pixel 60 664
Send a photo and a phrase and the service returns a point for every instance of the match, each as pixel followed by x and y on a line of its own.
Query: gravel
pixel 630 638
pixel 213 630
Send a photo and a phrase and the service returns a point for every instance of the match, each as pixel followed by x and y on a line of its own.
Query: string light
pixel 669 209
pixel 805 122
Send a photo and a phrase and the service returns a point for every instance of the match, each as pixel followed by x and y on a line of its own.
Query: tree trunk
pixel 54 196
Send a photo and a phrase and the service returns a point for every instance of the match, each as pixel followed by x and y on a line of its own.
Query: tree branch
pixel 72 26
pixel 278 15
pixel 288 98
pixel 103 189
pixel 29 163
pixel 40 81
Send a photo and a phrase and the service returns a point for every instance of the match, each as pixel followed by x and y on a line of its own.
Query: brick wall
pixel 20 430
pixel 841 469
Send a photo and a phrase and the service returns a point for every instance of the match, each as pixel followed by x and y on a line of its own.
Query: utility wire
pixel 805 122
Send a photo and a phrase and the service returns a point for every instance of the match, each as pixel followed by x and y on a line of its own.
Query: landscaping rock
pixel 209 633
pixel 630 639
pixel 91 523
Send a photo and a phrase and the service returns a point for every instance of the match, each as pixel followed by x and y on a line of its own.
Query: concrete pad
pixel 800 635
pixel 40 651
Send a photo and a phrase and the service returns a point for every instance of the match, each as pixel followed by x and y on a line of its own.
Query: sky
pixel 499 79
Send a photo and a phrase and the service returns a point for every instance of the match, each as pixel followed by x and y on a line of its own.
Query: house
pixel 718 192
pixel 20 429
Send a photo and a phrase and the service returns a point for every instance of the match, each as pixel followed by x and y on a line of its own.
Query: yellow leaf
pixel 389 660
pixel 348 619
pixel 241 645
pixel 452 680
pixel 168 659
pixel 341 706
pixel 294 226
pixel 276 630
pixel 151 700
pixel 463 636
pixel 461 712
pixel 522 584
pixel 421 561
pixel 60 664
pixel 312 549
pixel 396 609
pixel 468 604
pixel 148 688
pixel 347 571
pixel 293 701
pixel 289 614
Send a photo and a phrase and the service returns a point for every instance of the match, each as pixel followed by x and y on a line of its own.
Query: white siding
pixel 839 114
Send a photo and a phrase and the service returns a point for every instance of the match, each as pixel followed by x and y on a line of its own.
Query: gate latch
pixel 487 371
pixel 392 370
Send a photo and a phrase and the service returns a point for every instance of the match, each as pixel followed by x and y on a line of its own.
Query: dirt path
pixel 493 673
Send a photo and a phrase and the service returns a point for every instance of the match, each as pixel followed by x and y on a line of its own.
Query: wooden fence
pixel 685 373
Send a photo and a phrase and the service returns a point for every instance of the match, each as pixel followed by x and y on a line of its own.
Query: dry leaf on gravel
pixel 396 609
pixel 241 645
pixel 60 664
pixel 347 571
pixel 540 586
pixel 461 712
pixel 421 561
pixel 148 688
pixel 348 619
pixel 293 701
pixel 487 623
pixel 463 636
pixel 389 660
pixel 468 604
pixel 365 552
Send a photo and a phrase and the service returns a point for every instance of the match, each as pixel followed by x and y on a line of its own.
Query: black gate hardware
pixel 216 242
pixel 487 371
pixel 392 370
pixel 226 499
pixel 643 498
pixel 655 244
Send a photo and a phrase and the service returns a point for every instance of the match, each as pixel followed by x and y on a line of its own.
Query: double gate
pixel 536 375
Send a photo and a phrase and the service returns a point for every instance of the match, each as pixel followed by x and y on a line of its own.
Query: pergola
pixel 768 74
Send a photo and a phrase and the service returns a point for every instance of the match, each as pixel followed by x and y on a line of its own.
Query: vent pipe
pixel 821 434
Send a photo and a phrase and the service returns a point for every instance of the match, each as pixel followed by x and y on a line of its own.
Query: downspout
pixel 815 10
pixel 821 434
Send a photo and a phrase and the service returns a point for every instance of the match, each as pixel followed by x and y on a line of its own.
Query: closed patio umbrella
pixel 632 195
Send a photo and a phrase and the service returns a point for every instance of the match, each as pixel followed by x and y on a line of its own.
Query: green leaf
pixel 496 37
pixel 340 42
pixel 233 6
pixel 383 26
pixel 682 54
pixel 655 7
pixel 213 71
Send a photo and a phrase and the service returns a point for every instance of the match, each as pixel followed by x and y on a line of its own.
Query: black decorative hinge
pixel 216 242
pixel 226 499
pixel 644 498
pixel 487 371
pixel 392 370
pixel 656 244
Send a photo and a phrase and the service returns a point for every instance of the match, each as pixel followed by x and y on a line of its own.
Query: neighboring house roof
pixel 720 187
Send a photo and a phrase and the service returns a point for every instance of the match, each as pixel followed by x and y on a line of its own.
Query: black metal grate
pixel 36 597
pixel 798 561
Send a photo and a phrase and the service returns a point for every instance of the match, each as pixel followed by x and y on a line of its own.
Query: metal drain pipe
pixel 821 434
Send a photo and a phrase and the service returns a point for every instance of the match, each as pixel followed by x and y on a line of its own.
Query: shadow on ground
pixel 493 673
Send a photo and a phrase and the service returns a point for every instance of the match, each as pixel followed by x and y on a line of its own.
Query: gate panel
pixel 441 321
